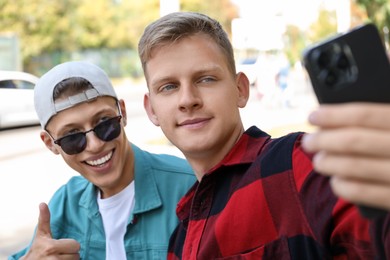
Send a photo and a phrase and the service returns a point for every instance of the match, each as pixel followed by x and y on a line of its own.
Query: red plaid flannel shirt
pixel 264 201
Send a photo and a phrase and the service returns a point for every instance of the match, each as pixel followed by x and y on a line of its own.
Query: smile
pixel 100 161
pixel 194 123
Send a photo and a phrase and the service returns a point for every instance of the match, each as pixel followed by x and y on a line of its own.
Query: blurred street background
pixel 268 39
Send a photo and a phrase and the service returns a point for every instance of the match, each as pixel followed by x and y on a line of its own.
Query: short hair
pixel 71 86
pixel 178 25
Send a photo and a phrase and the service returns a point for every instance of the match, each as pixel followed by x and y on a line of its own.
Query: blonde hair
pixel 175 26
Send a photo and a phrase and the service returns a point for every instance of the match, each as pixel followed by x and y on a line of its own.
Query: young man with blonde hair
pixel 256 197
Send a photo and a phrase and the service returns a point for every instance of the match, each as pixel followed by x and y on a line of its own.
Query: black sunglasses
pixel 106 131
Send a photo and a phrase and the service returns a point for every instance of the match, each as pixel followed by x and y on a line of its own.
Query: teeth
pixel 101 160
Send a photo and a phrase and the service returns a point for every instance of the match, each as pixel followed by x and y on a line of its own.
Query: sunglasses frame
pixel 58 140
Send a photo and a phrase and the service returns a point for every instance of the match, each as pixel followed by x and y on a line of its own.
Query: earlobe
pixel 150 111
pixel 48 141
pixel 242 83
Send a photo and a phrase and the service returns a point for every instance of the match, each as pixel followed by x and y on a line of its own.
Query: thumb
pixel 43 228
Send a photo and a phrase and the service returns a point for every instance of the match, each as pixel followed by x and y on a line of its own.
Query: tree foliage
pixel 47 26
pixel 325 26
pixel 377 12
pixel 296 40
pixel 221 10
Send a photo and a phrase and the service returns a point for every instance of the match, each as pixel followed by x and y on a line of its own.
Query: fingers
pixel 363 141
pixel 352 114
pixel 357 128
pixel 45 247
pixel 362 193
pixel 69 257
pixel 52 257
pixel 66 246
pixel 351 146
pixel 373 170
pixel 43 228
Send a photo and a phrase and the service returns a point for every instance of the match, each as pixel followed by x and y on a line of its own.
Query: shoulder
pixel 170 171
pixel 292 139
pixel 288 149
pixel 281 150
pixel 171 166
pixel 71 190
pixel 166 163
pixel 76 183
pixel 299 163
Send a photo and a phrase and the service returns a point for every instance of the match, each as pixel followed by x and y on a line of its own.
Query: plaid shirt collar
pixel 244 151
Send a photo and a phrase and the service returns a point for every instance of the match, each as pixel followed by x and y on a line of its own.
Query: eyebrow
pixel 204 70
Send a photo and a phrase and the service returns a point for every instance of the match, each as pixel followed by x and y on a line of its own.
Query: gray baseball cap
pixel 45 106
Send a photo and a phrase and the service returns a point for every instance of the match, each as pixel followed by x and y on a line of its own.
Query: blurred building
pixel 10 57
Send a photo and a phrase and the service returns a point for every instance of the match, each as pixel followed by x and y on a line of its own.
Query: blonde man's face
pixel 194 97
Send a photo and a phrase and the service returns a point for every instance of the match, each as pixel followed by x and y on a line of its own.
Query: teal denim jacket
pixel 160 181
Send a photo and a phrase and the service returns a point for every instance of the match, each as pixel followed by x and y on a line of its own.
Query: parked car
pixel 17 99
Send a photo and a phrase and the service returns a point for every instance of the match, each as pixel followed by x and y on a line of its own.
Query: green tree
pixel 46 26
pixel 295 42
pixel 42 26
pixel 325 26
pixel 378 12
pixel 222 10
pixel 65 26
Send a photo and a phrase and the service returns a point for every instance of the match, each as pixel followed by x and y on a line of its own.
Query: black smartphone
pixel 350 67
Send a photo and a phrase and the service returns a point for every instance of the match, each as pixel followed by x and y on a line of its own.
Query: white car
pixel 17 99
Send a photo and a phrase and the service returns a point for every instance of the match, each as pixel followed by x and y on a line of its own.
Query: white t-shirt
pixel 115 213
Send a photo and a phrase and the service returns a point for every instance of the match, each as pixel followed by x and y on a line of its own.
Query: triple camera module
pixel 335 65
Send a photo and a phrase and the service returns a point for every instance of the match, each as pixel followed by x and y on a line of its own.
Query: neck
pixel 120 180
pixel 202 162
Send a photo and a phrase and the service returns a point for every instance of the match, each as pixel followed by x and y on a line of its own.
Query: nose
pixel 190 97
pixel 93 142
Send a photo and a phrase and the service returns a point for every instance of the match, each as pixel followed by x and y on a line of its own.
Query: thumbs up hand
pixel 45 247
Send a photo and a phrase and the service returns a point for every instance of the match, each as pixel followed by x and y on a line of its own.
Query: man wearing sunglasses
pixel 123 204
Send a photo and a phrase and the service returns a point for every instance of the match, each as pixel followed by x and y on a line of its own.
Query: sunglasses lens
pixel 109 129
pixel 105 131
pixel 74 143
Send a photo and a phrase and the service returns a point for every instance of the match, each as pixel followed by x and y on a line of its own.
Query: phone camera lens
pixel 331 78
pixel 342 62
pixel 323 59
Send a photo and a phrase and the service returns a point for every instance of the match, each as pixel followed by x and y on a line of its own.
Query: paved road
pixel 30 174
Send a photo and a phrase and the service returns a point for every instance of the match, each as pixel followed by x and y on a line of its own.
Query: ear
pixel 122 105
pixel 243 87
pixel 48 141
pixel 149 110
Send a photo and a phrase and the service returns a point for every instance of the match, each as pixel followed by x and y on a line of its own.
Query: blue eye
pixel 168 87
pixel 206 80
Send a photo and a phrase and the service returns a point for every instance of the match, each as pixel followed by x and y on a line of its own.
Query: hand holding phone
pixel 350 67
